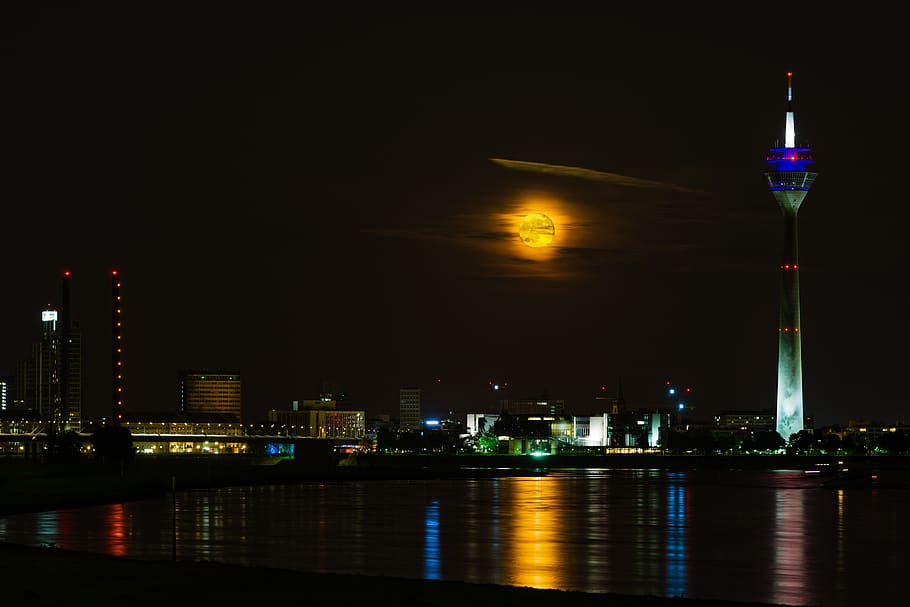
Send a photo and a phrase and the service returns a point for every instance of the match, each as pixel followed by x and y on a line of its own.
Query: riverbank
pixel 35 487
pixel 31 486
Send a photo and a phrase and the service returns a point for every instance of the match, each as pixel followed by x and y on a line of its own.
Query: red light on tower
pixel 116 350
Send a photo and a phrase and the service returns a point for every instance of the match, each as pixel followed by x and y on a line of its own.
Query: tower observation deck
pixel 789 172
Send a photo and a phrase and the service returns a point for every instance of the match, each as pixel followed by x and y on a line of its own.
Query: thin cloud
pixel 590 175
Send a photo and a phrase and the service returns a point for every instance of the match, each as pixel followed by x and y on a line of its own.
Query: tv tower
pixel 790 175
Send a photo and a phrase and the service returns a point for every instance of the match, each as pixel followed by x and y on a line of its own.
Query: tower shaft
pixel 116 351
pixel 789 357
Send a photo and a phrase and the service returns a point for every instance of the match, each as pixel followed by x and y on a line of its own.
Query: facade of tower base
pixel 789 179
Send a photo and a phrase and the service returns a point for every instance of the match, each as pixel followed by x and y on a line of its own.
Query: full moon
pixel 536 230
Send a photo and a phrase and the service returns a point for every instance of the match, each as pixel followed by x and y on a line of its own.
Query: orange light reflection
pixel 115 520
pixel 534 547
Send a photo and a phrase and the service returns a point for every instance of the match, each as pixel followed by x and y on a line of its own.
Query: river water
pixel 767 536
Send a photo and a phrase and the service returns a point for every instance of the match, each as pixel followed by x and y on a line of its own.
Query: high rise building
pixel 789 173
pixel 38 377
pixel 72 389
pixel 409 408
pixel 208 392
pixel 49 382
pixel 70 363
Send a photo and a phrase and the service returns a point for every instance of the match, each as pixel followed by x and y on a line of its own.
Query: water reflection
pixel 322 539
pixel 46 527
pixel 201 522
pixel 358 506
pixel 841 528
pixel 241 499
pixel 431 555
pixel 534 539
pixel 744 535
pixel 789 570
pixel 116 536
pixel 646 558
pixel 495 542
pixel 472 532
pixel 66 529
pixel 595 515
pixel 676 535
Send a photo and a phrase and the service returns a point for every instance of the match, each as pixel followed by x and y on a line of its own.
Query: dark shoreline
pixel 29 486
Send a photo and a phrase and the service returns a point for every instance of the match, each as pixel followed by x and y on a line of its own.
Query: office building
pixel 210 392
pixel 409 412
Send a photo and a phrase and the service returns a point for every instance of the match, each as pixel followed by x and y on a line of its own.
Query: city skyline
pixel 301 200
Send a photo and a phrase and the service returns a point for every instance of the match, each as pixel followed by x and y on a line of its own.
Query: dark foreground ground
pixel 46 576
pixel 32 575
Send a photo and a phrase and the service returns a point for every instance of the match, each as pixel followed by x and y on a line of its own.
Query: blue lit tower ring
pixel 789 173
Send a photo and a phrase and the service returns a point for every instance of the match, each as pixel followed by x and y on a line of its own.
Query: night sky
pixel 300 197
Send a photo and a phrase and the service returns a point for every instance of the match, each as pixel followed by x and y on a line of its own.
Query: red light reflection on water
pixel 115 521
